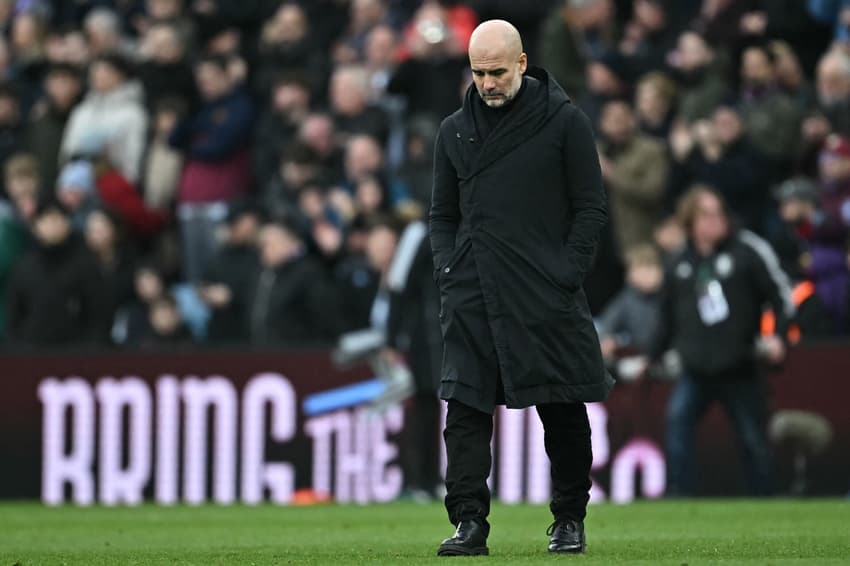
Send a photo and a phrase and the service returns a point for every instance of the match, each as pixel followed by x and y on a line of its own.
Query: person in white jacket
pixel 112 118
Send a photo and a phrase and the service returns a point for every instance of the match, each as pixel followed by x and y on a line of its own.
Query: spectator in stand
pixel 288 107
pixel 75 189
pixel 163 163
pixel 630 320
pixel 215 141
pixel 634 170
pixel 165 70
pixel 299 170
pixel 131 322
pixel 812 245
pixel 291 300
pixel 718 153
pixel 287 47
pixel 104 35
pixel 364 16
pixel 647 36
pixel 49 116
pixel 833 90
pixel 55 296
pixel 573 32
pixel 28 52
pixel 697 69
pixel 104 236
pixel 349 95
pixel 230 275
pixel 380 60
pixel 609 78
pixel 655 105
pixel 430 79
pixel 834 177
pixel 318 132
pixel 789 75
pixel 84 184
pixel 789 21
pixel 166 327
pixel 23 185
pixel 364 158
pixel 771 117
pixel 113 112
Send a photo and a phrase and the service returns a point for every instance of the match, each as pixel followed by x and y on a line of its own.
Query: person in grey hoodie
pixel 630 320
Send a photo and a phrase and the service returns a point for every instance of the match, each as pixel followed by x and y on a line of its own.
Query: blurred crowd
pixel 188 172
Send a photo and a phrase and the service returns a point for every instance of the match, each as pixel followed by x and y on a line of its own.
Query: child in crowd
pixel 631 319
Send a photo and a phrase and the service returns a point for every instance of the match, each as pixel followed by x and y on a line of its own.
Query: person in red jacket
pixel 83 184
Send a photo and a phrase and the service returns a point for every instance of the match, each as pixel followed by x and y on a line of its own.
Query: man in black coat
pixel 55 297
pixel 518 206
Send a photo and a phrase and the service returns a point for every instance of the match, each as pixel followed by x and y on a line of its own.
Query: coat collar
pixel 541 99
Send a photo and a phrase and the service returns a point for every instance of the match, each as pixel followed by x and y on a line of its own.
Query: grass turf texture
pixel 666 532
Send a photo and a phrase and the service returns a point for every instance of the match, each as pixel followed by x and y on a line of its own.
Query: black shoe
pixel 469 540
pixel 566 536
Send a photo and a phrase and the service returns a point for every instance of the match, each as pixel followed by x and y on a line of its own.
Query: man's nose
pixel 489 84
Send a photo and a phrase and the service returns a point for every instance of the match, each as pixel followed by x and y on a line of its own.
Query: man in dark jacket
pixel 62 88
pixel 517 210
pixel 230 276
pixel 55 297
pixel 714 294
pixel 292 301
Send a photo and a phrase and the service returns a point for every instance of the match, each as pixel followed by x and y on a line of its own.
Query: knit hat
pixel 76 176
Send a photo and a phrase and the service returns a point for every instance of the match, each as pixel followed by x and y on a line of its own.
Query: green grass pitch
pixel 667 532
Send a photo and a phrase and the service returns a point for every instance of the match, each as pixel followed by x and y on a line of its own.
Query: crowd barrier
pixel 230 427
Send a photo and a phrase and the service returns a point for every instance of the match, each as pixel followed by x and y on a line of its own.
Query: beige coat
pixel 636 190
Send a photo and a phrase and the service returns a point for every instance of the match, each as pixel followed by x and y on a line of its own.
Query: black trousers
pixel 567 442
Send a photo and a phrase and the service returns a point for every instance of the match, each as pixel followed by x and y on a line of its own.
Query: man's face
pixel 833 84
pixel 164 9
pixel 104 77
pixel 212 80
pixel 691 52
pixel 363 157
pixel 380 247
pixel 52 228
pixel 710 222
pixel 617 122
pixel 290 98
pixel 497 72
pixel 727 124
pixel 756 68
pixel 276 246
pixel 62 89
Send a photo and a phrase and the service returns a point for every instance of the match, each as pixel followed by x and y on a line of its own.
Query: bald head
pixel 497 61
pixel 495 37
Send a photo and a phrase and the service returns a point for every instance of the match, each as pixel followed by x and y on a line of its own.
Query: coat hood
pixel 550 92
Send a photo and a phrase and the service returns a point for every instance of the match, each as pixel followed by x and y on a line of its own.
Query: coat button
pixel 458 135
pixel 446 270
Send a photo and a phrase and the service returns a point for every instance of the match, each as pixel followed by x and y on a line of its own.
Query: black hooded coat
pixel 514 225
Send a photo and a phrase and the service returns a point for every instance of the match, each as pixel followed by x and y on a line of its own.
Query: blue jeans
pixel 745 402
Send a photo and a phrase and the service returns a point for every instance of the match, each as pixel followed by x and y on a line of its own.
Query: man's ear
pixel 523 63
